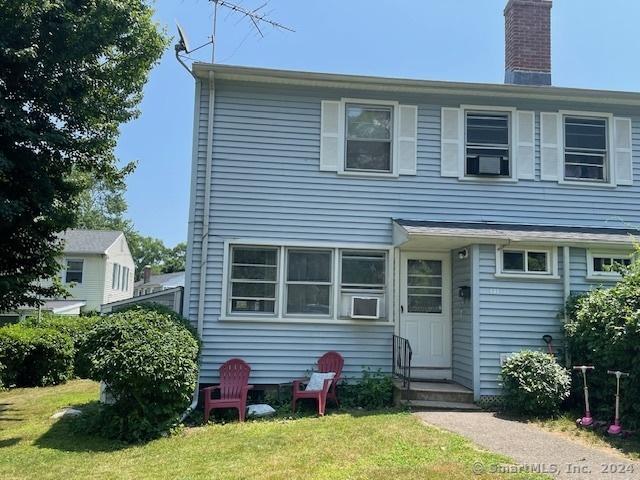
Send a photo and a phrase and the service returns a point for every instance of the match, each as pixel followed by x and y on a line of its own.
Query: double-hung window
pixel 525 261
pixel 253 280
pixel 73 272
pixel 362 284
pixel 369 138
pixel 309 282
pixel 488 146
pixel 585 149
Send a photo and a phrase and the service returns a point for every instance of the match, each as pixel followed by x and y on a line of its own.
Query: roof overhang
pixel 418 234
pixel 405 85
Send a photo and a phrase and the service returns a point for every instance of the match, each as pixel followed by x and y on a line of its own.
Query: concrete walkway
pixel 532 448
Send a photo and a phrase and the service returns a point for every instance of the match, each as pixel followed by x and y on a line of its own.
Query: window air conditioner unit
pixel 365 308
pixel 489 165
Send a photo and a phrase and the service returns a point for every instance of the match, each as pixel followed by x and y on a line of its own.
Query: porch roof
pixel 408 233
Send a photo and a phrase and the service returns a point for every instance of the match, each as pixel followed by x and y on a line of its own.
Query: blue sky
pixel 594 45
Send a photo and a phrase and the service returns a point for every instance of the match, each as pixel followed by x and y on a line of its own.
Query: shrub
pixel 374 390
pixel 534 383
pixel 35 356
pixel 603 330
pixel 162 310
pixel 150 363
pixel 76 327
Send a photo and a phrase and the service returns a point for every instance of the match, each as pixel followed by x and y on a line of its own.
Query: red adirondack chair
pixel 329 362
pixel 233 388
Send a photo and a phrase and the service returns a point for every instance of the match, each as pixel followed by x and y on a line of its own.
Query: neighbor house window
pixel 369 138
pixel 363 278
pixel 487 144
pixel 115 276
pixel 254 280
pixel 585 148
pixel 73 272
pixel 309 281
pixel 125 279
pixel 536 262
pixel 606 265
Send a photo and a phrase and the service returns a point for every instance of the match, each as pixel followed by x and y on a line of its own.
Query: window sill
pixel 349 173
pixel 603 278
pixel 317 321
pixel 488 179
pixel 577 183
pixel 527 276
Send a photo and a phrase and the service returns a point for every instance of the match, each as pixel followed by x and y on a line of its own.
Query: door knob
pixel 401 308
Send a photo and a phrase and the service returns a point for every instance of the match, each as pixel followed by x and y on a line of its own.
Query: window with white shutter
pixel 368 137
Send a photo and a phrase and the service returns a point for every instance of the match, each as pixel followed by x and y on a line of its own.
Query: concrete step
pixel 435 392
pixel 431 405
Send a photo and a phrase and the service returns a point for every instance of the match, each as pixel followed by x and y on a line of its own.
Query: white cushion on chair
pixel 316 382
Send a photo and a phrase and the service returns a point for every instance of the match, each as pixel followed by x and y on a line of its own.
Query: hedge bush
pixel 35 356
pixel 150 363
pixel 77 327
pixel 374 390
pixel 603 330
pixel 534 383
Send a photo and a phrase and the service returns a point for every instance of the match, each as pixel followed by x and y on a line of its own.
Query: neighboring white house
pixel 97 267
pixel 155 283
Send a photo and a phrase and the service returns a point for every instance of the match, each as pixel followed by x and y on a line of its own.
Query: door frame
pixel 400 257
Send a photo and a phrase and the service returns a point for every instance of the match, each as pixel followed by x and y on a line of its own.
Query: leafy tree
pixel 102 206
pixel 175 259
pixel 146 251
pixel 71 71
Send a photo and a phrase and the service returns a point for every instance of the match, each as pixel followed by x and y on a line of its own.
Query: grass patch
pixel 566 425
pixel 341 445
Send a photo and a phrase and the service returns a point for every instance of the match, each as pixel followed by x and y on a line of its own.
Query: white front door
pixel 425 312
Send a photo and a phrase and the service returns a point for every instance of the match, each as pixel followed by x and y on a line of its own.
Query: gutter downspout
pixel 204 240
pixel 566 278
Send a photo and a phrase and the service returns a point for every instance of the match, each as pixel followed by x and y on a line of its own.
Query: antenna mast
pixel 254 15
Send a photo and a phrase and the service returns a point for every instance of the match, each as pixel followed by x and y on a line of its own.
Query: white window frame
pixel 614 276
pixel 229 280
pixel 513 139
pixel 363 102
pixel 552 262
pixel 66 269
pixel 610 159
pixel 280 316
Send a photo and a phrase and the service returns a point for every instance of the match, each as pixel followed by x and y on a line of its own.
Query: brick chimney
pixel 527 32
pixel 146 274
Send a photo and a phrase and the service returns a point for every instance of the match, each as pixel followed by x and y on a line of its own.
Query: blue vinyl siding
pixel 266 184
pixel 462 316
pixel 579 281
pixel 514 315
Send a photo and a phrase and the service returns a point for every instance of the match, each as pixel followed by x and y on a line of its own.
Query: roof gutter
pixel 404 85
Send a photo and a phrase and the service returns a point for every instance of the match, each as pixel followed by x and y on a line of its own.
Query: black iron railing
pixel 402 362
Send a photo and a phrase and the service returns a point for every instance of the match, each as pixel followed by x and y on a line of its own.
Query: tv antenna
pixel 257 16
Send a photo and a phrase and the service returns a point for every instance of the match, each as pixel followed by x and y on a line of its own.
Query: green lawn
pixel 390 445
pixel 566 425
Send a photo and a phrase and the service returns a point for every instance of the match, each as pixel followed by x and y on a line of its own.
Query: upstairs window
pixel 254 278
pixel 369 134
pixel 487 148
pixel 585 149
pixel 73 272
